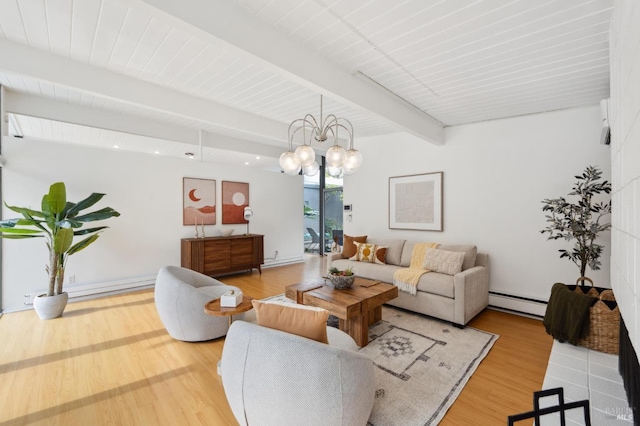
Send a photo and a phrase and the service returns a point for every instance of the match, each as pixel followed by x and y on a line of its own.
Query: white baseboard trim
pixel 517 304
pixel 88 291
pixel 285 261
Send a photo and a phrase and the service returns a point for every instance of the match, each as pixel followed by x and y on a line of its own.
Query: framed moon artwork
pixel 235 197
pixel 198 201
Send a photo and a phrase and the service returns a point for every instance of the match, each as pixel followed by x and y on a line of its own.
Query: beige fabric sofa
pixel 456 298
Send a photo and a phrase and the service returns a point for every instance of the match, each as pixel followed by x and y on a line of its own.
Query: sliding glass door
pixel 322 212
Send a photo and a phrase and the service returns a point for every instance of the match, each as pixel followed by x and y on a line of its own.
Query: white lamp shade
pixel 289 164
pixel 312 169
pixel 248 213
pixel 305 155
pixel 335 156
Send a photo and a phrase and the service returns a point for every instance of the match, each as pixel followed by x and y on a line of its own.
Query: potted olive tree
pixel 580 220
pixel 58 222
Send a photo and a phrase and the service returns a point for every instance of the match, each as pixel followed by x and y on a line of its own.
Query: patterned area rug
pixel 422 365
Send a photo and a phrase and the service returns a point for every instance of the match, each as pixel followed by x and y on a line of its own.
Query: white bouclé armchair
pixel 180 296
pixel 273 377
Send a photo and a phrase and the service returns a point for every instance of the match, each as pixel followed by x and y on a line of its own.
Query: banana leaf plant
pixel 58 222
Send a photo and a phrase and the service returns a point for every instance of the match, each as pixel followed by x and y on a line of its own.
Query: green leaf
pixel 89 230
pixel 22 231
pixel 57 197
pixel 63 241
pixel 101 214
pixel 18 237
pixel 65 212
pixel 83 244
pixel 84 204
pixel 27 213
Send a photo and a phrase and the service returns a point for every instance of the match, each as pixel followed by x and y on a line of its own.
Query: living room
pixel 495 175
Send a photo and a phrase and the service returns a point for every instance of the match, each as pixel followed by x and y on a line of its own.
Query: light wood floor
pixel 110 361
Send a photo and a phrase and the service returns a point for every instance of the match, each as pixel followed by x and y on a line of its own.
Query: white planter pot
pixel 49 307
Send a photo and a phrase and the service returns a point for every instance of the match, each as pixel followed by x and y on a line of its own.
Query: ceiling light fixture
pixel 339 160
pixel 190 155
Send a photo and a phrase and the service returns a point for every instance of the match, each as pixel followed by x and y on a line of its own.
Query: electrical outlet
pixel 71 279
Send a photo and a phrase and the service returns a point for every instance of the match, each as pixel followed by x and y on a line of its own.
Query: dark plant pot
pixel 50 307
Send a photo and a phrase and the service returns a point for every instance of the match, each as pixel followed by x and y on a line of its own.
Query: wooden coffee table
pixel 357 307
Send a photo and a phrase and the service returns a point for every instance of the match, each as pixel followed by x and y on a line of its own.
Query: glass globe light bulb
pixel 289 164
pixel 305 155
pixel 334 171
pixel 353 160
pixel 312 169
pixel 335 156
pixel 349 171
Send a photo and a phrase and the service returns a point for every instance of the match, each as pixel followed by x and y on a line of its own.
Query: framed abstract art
pixel 198 201
pixel 235 197
pixel 415 202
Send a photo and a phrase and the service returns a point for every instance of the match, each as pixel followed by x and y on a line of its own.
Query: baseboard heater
pixel 90 290
pixel 517 304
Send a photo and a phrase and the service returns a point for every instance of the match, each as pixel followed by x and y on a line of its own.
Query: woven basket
pixel 604 322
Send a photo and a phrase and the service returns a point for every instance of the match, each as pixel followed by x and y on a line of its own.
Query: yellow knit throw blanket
pixel 406 279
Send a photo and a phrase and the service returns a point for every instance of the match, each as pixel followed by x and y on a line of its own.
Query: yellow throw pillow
pixel 305 321
pixel 364 252
pixel 348 247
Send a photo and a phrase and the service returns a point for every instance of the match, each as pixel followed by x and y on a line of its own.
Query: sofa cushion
pixel 436 283
pixel 394 248
pixel 433 282
pixel 364 252
pixel 470 253
pixel 443 261
pixel 371 271
pixel 305 321
pixel 407 250
pixel 348 248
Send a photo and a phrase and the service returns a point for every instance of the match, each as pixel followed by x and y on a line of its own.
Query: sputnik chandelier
pixel 339 161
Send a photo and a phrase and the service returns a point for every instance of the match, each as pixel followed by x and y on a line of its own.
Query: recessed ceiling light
pixel 156 152
pixel 116 146
pixel 246 163
pixel 190 155
pixel 257 158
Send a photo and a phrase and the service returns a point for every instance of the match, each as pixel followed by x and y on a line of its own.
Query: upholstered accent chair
pixel 273 377
pixel 180 296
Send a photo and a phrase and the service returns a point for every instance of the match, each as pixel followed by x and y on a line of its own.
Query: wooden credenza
pixel 223 255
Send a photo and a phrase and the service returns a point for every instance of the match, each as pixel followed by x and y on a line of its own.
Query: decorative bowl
pixel 226 232
pixel 342 282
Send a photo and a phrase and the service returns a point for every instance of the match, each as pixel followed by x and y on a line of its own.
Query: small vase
pixel 50 307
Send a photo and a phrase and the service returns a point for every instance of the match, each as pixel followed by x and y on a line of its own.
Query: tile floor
pixel 586 374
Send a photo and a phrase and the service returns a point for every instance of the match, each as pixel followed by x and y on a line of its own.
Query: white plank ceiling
pixel 459 61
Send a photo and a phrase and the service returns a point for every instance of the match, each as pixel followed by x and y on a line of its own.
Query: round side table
pixel 213 308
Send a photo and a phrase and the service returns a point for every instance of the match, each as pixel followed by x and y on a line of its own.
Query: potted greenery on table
pixel 58 222
pixel 580 221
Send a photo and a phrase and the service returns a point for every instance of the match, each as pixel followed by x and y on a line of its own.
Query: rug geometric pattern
pixel 422 366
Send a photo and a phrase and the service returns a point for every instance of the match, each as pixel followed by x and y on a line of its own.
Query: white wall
pixel 625 151
pixel 495 175
pixel 147 191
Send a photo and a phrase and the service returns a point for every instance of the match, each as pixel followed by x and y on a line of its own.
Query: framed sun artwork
pixel 198 201
pixel 235 197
